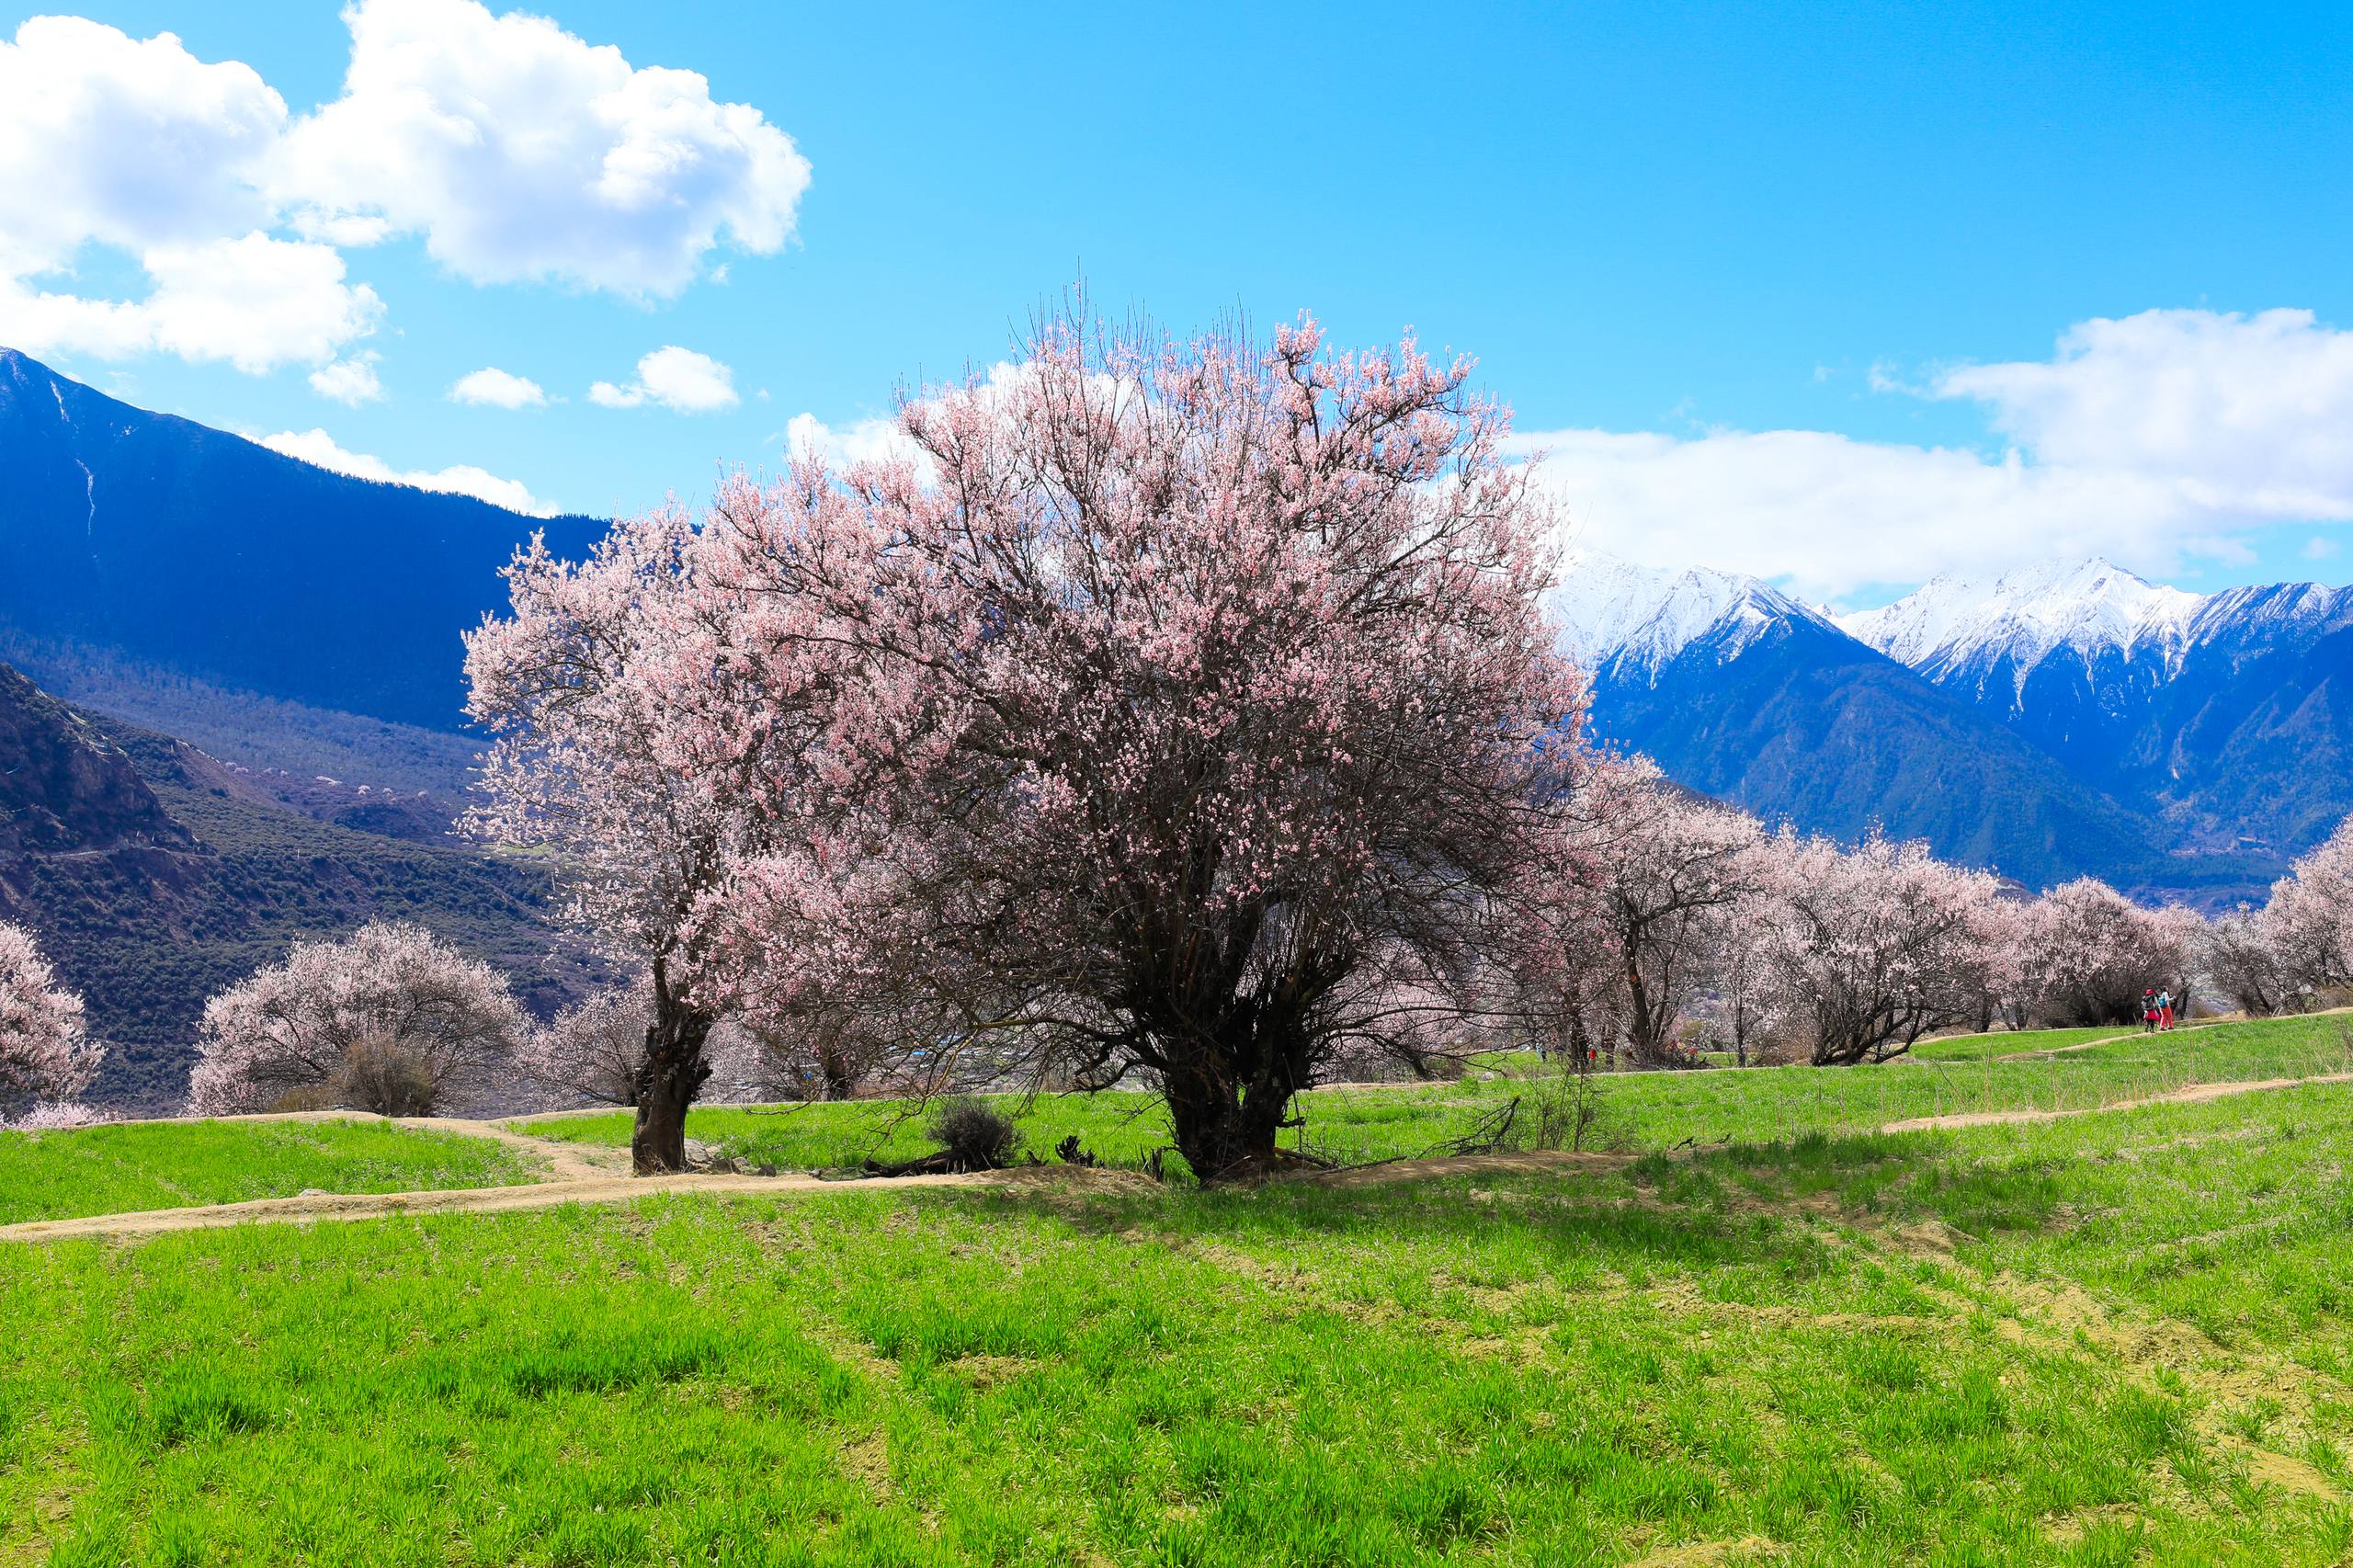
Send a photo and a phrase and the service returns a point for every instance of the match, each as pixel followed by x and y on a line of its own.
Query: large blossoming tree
pixel 1187 713
pixel 2309 922
pixel 2090 953
pixel 46 1058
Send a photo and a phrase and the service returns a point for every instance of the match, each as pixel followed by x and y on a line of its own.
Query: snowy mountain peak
pixel 1612 610
pixel 2089 608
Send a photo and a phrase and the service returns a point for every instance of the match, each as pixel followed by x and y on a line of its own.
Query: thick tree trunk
pixel 1227 1109
pixel 672 1074
pixel 1228 1137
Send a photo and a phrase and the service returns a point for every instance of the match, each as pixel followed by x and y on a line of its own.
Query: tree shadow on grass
pixel 1694 1210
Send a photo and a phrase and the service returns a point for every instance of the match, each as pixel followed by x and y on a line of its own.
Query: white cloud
pixel 319 448
pixel 128 142
pixel 514 149
pixel 867 440
pixel 139 146
pixel 2248 412
pixel 2319 549
pixel 352 381
pixel 2144 440
pixel 520 151
pixel 497 388
pixel 256 302
pixel 678 379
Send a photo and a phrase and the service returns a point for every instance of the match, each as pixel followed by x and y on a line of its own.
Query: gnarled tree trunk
pixel 672 1074
pixel 1227 1103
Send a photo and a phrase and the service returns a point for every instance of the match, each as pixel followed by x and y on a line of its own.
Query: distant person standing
pixel 2148 1012
pixel 2164 1010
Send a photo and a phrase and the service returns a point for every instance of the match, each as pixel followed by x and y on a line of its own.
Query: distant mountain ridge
pixel 190 548
pixel 2060 719
pixel 1635 618
pixel 1743 692
pixel 1954 628
pixel 2229 716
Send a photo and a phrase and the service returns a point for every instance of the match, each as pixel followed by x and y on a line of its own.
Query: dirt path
pixel 2107 1039
pixel 606 1188
pixel 2191 1093
pixel 2184 1028
pixel 565 1161
pixel 591 1174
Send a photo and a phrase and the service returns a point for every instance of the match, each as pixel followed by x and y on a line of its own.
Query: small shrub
pixel 1563 1108
pixel 381 1074
pixel 973 1134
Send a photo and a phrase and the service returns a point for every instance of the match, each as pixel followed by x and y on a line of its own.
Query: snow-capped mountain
pixel 1632 618
pixel 2229 715
pixel 1741 691
pixel 1961 628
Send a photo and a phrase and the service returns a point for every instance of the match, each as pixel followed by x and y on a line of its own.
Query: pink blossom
pixel 387 1020
pixel 45 1054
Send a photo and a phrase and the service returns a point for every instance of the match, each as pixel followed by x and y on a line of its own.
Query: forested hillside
pixel 182 875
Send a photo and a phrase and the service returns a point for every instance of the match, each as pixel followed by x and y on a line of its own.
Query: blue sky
pixel 1673 235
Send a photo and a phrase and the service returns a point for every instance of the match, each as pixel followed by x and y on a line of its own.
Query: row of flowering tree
pixel 2297 950
pixel 1673 910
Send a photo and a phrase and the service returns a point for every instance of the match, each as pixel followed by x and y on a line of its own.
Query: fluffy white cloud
pixel 865 440
pixel 677 378
pixel 497 388
pixel 124 141
pixel 256 302
pixel 521 151
pixel 2143 440
pixel 351 381
pixel 2250 413
pixel 138 145
pixel 514 149
pixel 319 448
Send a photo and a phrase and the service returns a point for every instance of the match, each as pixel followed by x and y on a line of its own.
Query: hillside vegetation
pixel 223 878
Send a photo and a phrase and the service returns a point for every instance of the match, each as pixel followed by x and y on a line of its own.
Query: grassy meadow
pixel 139 1165
pixel 1766 1333
pixel 1963 1075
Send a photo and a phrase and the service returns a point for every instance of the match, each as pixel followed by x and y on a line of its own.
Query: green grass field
pixel 2122 1338
pixel 1643 1110
pixel 2006 1042
pixel 116 1170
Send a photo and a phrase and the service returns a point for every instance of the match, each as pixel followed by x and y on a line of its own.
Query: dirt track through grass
pixel 316 1207
pixel 2189 1094
pixel 605 1187
pixel 1847 1350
